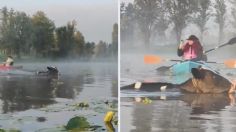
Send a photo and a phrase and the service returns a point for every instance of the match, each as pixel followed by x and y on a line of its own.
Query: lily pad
pixel 78 123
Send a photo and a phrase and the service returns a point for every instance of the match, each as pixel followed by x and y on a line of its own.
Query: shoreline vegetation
pixel 36 37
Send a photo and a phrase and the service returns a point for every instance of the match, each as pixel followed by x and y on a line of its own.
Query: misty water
pixel 40 103
pixel 173 111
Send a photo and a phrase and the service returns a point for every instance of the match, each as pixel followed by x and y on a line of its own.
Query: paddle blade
pixel 152 59
pixel 230 63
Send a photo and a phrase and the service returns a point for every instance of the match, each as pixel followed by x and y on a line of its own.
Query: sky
pixel 95 18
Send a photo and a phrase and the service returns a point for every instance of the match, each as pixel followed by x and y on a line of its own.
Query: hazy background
pixel 95 18
pixel 162 26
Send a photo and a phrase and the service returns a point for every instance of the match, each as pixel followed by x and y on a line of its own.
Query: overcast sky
pixel 95 18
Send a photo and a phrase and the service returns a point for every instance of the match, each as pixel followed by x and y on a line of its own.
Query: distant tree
pixel 179 13
pixel 162 22
pixel 43 31
pixel 24 36
pixel 233 13
pixel 16 32
pixel 202 15
pixel 89 50
pixel 220 8
pixel 66 39
pixel 80 48
pixel 115 40
pixel 146 15
pixel 127 24
pixel 101 49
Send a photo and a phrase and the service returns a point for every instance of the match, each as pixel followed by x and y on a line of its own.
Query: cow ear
pixel 197 73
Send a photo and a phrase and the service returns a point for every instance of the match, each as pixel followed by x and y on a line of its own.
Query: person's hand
pixel 181 45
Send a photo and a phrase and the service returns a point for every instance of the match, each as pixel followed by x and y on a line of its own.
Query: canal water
pixel 40 103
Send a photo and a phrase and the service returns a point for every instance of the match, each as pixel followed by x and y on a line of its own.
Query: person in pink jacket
pixel 191 49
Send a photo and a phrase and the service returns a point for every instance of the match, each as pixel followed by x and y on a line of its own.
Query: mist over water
pixel 25 98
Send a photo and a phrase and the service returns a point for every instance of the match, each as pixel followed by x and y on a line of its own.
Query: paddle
pixel 231 42
pixel 154 59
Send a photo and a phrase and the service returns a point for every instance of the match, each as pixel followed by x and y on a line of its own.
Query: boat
pixel 186 66
pixel 181 71
pixel 6 68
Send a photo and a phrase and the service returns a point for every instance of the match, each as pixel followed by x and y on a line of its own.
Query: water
pixel 172 111
pixel 26 98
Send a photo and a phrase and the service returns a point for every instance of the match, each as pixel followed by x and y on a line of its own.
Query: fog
pixel 133 41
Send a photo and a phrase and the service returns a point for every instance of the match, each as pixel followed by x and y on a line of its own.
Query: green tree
pixel 79 44
pixel 66 39
pixel 23 29
pixel 16 33
pixel 43 32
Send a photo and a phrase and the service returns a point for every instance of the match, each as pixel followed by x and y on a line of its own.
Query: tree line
pixel 37 36
pixel 150 19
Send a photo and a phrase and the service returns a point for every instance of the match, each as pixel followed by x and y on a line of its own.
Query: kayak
pixel 181 71
pixel 186 66
pixel 6 68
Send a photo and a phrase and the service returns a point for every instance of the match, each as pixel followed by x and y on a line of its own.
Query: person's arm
pixel 180 49
pixel 180 52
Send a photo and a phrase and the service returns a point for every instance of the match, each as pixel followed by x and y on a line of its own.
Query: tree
pixel 202 15
pixel 127 24
pixel 233 13
pixel 146 15
pixel 23 29
pixel 115 40
pixel 7 30
pixel 179 12
pixel 43 31
pixel 101 49
pixel 16 33
pixel 70 41
pixel 80 44
pixel 220 8
pixel 89 50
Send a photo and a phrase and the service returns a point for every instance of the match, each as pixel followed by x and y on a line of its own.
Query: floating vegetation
pixel 79 123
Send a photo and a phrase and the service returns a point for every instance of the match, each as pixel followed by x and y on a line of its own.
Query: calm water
pixel 172 112
pixel 25 98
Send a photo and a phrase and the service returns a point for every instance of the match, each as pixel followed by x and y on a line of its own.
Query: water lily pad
pixel 78 123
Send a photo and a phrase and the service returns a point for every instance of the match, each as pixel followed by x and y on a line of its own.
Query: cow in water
pixel 51 71
pixel 203 81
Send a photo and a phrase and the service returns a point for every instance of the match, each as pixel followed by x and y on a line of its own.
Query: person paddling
pixel 191 49
pixel 9 61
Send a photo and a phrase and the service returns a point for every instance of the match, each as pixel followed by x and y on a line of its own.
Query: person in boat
pixel 191 49
pixel 9 61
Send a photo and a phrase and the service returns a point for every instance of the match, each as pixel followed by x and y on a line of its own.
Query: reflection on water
pixel 77 82
pixel 172 112
pixel 188 112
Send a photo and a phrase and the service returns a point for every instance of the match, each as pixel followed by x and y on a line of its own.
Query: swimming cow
pixel 203 81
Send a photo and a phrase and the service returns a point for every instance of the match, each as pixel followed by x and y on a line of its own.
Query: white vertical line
pixel 119 123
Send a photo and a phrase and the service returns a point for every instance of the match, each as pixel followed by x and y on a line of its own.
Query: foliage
pixel 202 15
pixel 77 122
pixel 220 7
pixel 43 34
pixel 37 36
